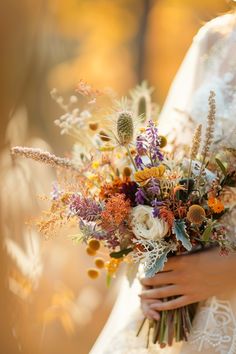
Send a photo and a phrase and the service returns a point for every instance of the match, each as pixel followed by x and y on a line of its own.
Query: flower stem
pixel 131 158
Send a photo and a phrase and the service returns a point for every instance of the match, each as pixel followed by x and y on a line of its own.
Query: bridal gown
pixel 210 64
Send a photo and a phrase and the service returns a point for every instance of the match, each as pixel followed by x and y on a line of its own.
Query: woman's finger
pixel 160 293
pixel 148 311
pixel 171 304
pixel 162 278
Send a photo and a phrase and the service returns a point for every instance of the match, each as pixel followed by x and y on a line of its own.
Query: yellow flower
pixel 105 148
pixel 92 177
pixel 95 164
pixel 143 176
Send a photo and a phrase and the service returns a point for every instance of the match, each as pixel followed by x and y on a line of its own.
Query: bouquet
pixel 126 192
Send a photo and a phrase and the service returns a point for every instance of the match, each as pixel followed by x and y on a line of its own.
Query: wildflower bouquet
pixel 128 194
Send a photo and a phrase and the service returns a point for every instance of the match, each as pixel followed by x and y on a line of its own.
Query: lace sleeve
pixel 208 65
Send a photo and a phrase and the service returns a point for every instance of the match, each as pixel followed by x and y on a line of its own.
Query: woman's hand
pixel 192 278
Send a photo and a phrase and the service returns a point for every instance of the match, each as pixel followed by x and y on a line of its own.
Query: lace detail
pixel 214 328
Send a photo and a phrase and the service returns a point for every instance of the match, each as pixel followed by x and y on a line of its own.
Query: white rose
pixel 145 226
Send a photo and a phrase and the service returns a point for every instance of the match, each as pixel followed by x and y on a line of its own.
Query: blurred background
pixel 48 305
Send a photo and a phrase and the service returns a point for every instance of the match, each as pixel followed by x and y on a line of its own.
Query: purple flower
pixel 139 162
pixel 85 208
pixel 153 187
pixel 153 141
pixel 156 207
pixel 55 194
pixel 141 145
pixel 140 196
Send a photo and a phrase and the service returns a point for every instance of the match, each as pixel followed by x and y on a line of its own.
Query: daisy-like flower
pixel 141 101
pixel 145 175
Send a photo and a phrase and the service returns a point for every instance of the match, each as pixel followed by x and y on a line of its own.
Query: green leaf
pixel 221 166
pixel 121 253
pixel 179 229
pixel 158 266
pixel 206 233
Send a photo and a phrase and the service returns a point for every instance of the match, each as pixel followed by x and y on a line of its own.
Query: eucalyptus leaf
pixel 179 229
pixel 158 266
pixel 121 253
pixel 206 234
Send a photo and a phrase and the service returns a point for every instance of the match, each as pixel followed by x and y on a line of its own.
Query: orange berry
pixel 93 273
pixel 99 262
pixel 94 244
pixel 90 251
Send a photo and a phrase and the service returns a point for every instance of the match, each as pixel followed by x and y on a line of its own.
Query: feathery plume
pixel 196 142
pixel 43 157
pixel 209 135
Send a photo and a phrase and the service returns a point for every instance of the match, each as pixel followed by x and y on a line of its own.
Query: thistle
pixel 125 127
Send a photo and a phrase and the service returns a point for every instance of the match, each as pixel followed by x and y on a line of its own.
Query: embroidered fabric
pixel 210 64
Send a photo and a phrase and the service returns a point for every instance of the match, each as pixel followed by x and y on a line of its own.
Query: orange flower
pixel 112 188
pixel 143 176
pixel 216 205
pixel 116 210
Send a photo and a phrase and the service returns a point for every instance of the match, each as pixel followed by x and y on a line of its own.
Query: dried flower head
pixel 99 262
pixel 90 251
pixel 196 214
pixel 93 273
pixel 94 244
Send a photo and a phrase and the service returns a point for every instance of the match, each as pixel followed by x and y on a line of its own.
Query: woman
pixel 203 277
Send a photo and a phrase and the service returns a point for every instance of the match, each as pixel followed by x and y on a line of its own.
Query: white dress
pixel 210 64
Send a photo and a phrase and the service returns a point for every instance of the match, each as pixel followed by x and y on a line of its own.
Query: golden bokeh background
pixel 48 305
